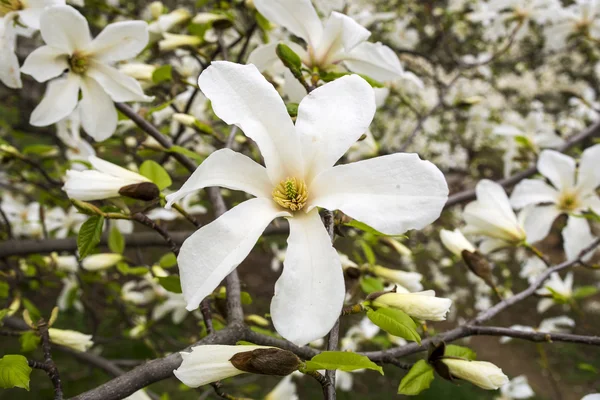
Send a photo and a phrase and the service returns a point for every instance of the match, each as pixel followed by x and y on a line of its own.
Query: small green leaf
pixel 370 284
pixel 289 57
pixel 342 360
pixel 89 235
pixel 584 291
pixel 170 283
pixel 395 322
pixel 125 269
pixel 116 241
pixel 162 74
pixel 169 260
pixel 40 149
pixel 4 290
pixel 246 298
pixel 292 109
pixel 368 251
pixel 186 152
pixel 14 372
pixel 587 367
pixel 453 350
pixel 418 378
pixel 29 341
pixel 156 173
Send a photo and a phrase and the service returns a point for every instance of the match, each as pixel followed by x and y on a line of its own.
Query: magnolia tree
pixel 375 168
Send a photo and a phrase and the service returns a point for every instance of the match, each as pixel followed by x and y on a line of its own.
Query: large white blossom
pixel 392 193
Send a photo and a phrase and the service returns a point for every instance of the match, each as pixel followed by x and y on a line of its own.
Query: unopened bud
pixel 289 58
pixel 257 320
pixel 53 316
pixel 156 9
pixel 27 319
pixel 145 191
pixel 479 266
pixel 86 208
pixel 172 41
pixel 185 119
pixel 266 361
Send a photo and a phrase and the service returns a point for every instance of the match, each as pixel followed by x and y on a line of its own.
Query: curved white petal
pixel 331 119
pixel 375 60
pixel 92 185
pixel 310 292
pixel 488 246
pixel 30 16
pixel 98 112
pixel 588 178
pixel 341 32
pixel 216 249
pixel 240 95
pixel 558 168
pixel 65 28
pixel 491 194
pixel 45 63
pixel 577 235
pixel 228 169
pixel 9 62
pixel 114 170
pixel 297 16
pixel 120 87
pixel 120 41
pixel 591 202
pixel 539 221
pixel 533 191
pixel 391 193
pixel 59 101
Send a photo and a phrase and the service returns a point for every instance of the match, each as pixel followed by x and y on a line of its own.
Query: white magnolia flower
pixel 391 193
pixel 582 17
pixel 363 331
pixel 340 40
pixel 421 305
pixel 555 286
pixel 138 292
pixel 174 304
pixel 72 339
pixel 518 388
pixel 409 280
pixel 97 262
pixel 285 390
pixel 63 263
pixel 492 216
pixel 533 268
pixel 456 242
pixel 24 219
pixel 480 373
pixel 69 294
pixel 166 22
pixel 69 47
pixel 62 223
pixel 9 63
pixel 592 396
pixel 103 182
pixel 569 195
pixel 299 176
pixel 562 324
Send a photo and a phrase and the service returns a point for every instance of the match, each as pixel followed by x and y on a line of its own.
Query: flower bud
pixel 420 305
pixel 172 41
pixel 145 191
pixel 257 320
pixel 139 71
pixel 456 242
pixel 156 9
pixel 409 280
pixel 270 361
pixel 101 261
pixel 480 373
pixel 185 119
pixel 72 339
pixel 206 18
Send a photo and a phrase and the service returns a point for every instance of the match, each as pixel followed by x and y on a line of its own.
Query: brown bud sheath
pixel 145 191
pixel 479 266
pixel 266 362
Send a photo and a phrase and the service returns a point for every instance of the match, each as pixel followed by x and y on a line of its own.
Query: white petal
pixel 591 202
pixel 116 171
pixel 92 185
pixel 588 177
pixel 558 168
pixel 240 95
pixel 310 292
pixel 98 113
pixel 539 222
pixel 65 28
pixel 576 237
pixel 9 62
pixel 533 191
pixel 45 63
pixel 297 16
pixel 120 41
pixel 374 60
pixel 228 169
pixel 392 193
pixel 488 246
pixel 491 194
pixel 59 101
pixel 340 31
pixel 331 119
pixel 119 86
pixel 216 249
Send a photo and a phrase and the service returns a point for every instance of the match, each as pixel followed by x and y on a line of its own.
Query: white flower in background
pixel 562 324
pixel 568 196
pixel 391 193
pixel 587 106
pixel 140 71
pixel 363 331
pixel 72 339
pixel 98 262
pixel 480 373
pixel 278 257
pixel 165 22
pixel 169 215
pixel 139 395
pixel 24 219
pixel 68 131
pixel 61 223
pixel 340 40
pixel 285 390
pixel 175 305
pixel 592 396
pixel 491 215
pixel 456 242
pixel 582 17
pixel 103 182
pixel 69 294
pixel 70 47
pixel 555 286
pixel 533 268
pixel 421 305
pixel 63 263
pixel 9 62
pixel 363 149
pixel 138 292
pixel 409 280
pixel 518 388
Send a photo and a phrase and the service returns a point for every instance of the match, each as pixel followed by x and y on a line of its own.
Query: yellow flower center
pixel 79 63
pixel 568 201
pixel 291 193
pixel 7 6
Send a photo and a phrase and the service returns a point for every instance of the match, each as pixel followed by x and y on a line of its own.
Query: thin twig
pixel 143 219
pixel 51 369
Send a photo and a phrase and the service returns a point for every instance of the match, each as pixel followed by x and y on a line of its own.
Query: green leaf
pixel 395 322
pixel 4 290
pixel 368 251
pixel 125 269
pixel 370 284
pixel 89 235
pixel 34 313
pixel 156 173
pixel 14 372
pixel 116 241
pixel 162 74
pixel 29 341
pixel 418 378
pixel 246 298
pixel 453 350
pixel 170 283
pixel 40 149
pixel 186 152
pixel 168 260
pixel 587 367
pixel 584 291
pixel 342 360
